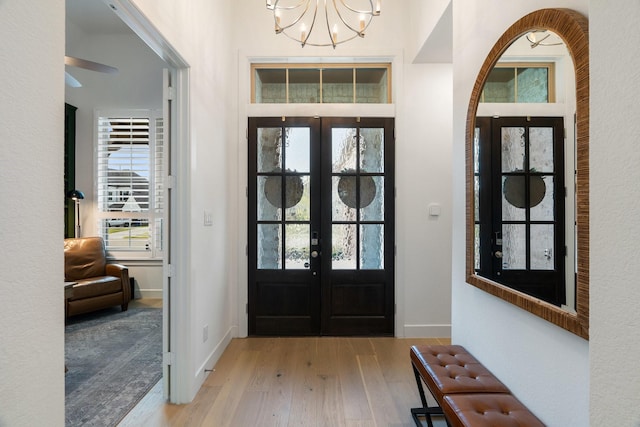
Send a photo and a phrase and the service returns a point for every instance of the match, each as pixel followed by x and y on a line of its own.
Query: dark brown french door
pixel 321 226
pixel 520 214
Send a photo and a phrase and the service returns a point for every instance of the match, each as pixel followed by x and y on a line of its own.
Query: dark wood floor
pixel 314 381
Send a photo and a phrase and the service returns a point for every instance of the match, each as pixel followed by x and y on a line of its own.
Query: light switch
pixel 434 209
pixel 208 219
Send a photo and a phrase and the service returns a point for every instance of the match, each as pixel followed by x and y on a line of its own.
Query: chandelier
pixel 344 19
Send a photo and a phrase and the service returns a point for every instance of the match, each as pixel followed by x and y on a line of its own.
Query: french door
pixel 321 226
pixel 520 215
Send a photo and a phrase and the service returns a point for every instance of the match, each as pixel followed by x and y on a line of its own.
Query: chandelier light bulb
pixel 303 34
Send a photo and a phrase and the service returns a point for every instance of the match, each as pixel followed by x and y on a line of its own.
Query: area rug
pixel 113 358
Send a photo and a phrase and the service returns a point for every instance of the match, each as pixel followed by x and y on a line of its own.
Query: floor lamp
pixel 76 196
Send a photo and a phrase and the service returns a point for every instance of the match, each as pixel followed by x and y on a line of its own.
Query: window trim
pixel 551 77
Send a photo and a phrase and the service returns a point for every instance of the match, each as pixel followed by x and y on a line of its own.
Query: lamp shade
pixel 75 195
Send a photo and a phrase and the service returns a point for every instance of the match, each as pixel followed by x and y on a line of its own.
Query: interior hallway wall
pixel 31 207
pixel 200 31
pixel 615 225
pixel 545 366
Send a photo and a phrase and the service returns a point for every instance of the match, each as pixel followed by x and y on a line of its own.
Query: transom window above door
pixel 321 83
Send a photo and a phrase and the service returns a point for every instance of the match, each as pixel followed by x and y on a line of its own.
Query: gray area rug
pixel 114 358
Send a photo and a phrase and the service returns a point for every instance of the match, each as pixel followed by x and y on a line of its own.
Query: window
pixel 321 83
pixel 520 83
pixel 129 181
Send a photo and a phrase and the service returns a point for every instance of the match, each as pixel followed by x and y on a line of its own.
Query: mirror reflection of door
pixel 320 226
pixel 520 236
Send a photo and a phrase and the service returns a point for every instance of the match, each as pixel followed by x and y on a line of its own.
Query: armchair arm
pixel 121 271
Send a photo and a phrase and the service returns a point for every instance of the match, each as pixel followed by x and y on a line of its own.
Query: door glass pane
pixel 297 198
pixel 269 198
pixel 296 246
pixel 343 198
pixel 372 198
pixel 513 198
pixel 269 246
pixel 372 246
pixel 343 149
pixel 269 149
pixel 514 247
pixel 371 85
pixel 512 149
pixel 500 85
pixel 337 85
pixel 476 197
pixel 542 247
pixel 297 142
pixel 533 84
pixel 476 252
pixel 271 85
pixel 541 149
pixel 476 150
pixel 304 86
pixel 343 251
pixel 372 150
pixel 542 207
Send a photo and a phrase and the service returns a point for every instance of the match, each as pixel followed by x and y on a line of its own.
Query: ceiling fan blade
pixel 89 65
pixel 71 81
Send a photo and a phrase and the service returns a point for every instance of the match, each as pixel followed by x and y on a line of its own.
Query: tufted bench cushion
pixel 490 410
pixel 466 392
pixel 448 369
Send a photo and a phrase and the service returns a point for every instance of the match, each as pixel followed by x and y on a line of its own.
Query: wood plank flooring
pixel 309 381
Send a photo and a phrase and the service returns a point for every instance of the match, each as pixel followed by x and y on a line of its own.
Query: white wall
pixel 137 85
pixel 200 32
pixel 545 366
pixel 31 200
pixel 615 225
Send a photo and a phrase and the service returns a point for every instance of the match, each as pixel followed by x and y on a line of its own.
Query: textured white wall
pixel 200 31
pixel 545 366
pixel 31 200
pixel 615 203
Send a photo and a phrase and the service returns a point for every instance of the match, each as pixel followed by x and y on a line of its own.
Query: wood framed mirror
pixel 572 28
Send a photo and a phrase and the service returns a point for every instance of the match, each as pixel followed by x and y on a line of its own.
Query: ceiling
pixel 94 17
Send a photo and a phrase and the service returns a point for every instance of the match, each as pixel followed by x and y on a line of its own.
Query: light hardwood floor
pixel 310 381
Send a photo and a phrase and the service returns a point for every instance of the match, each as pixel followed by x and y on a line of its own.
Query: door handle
pixel 314 254
pixel 498 254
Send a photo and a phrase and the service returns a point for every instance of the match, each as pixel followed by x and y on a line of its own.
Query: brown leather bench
pixel 466 392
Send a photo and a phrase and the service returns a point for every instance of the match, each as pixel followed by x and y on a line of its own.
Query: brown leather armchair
pixel 97 284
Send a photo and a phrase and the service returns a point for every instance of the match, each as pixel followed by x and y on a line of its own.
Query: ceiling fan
pixel 87 65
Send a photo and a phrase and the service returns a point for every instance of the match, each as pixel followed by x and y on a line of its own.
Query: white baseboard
pixel 149 293
pixel 205 369
pixel 427 331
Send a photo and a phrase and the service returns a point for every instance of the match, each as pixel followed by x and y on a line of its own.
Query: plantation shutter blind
pixel 128 179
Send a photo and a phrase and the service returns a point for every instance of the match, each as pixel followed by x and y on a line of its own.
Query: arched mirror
pixel 527 145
